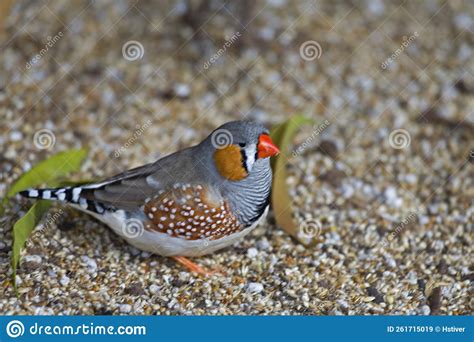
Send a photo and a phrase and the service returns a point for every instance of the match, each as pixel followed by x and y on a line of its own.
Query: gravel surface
pixel 385 176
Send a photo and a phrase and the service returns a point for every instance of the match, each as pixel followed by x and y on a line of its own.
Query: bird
pixel 189 203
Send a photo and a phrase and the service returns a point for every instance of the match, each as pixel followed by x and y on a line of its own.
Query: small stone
pixel 442 266
pixel 64 280
pixel 16 136
pixel 154 289
pixel 32 258
pixel 412 278
pixel 135 289
pixel 252 253
pixel 411 178
pixel 425 310
pixel 423 220
pixel 328 148
pixel 91 264
pixel 392 198
pixel 333 177
pixel 31 262
pixel 421 285
pixel 373 292
pixel 263 244
pixel 125 308
pixel 255 287
pixel 390 262
pixel 435 300
pixel 182 90
pixel 343 304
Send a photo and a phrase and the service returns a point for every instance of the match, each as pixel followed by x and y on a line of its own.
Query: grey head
pixel 236 160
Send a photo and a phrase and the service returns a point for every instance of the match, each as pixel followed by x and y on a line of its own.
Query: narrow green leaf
pixel 282 135
pixel 23 228
pixel 49 171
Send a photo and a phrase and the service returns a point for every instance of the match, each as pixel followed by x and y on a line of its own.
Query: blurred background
pixel 386 171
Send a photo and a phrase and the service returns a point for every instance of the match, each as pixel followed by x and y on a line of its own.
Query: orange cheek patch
pixel 229 163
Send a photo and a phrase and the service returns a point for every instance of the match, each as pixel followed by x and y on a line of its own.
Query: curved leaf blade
pixel 49 171
pixel 23 228
pixel 282 135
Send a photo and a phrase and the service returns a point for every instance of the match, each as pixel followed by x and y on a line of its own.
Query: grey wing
pixel 130 189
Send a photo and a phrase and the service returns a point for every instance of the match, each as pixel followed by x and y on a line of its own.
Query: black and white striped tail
pixel 69 195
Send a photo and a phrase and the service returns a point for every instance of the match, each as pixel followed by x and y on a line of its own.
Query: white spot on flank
pixel 46 194
pixel 61 196
pixel 33 193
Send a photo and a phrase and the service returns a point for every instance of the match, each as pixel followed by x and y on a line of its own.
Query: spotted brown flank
pixel 190 212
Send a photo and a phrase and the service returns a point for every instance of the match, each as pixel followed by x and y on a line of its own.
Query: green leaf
pixel 49 171
pixel 282 135
pixel 22 230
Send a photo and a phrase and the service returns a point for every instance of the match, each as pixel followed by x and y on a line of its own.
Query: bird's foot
pixel 193 267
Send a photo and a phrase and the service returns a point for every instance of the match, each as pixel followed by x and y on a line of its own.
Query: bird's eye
pixel 242 144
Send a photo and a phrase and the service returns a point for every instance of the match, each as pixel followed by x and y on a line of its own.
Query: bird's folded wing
pixel 130 189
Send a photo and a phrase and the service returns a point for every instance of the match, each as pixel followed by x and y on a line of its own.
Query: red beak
pixel 266 147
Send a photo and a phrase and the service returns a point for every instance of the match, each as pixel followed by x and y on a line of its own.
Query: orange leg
pixel 193 267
